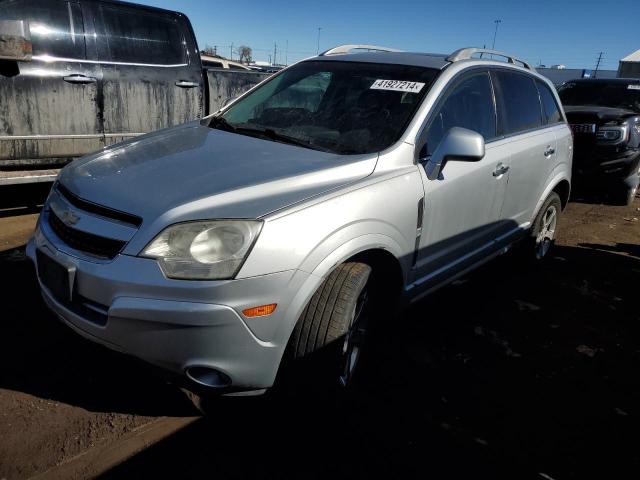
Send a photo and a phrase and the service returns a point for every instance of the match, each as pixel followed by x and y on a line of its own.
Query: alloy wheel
pixel 547 232
pixel 353 341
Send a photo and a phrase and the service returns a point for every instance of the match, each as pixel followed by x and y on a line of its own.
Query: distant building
pixel 560 75
pixel 629 66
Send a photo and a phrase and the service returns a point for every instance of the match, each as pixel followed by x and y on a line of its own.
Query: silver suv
pixel 273 232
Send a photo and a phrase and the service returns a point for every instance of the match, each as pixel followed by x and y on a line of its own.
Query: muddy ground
pixel 511 372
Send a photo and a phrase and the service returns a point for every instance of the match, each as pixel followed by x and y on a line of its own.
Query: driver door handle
pixel 549 151
pixel 500 170
pixel 78 78
pixel 186 84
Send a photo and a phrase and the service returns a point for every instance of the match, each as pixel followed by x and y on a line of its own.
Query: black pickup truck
pixel 605 117
pixel 79 75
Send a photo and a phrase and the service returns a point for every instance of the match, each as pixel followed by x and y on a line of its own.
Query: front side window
pixel 133 36
pixel 341 107
pixel 57 28
pixel 468 105
pixel 549 106
pixel 519 106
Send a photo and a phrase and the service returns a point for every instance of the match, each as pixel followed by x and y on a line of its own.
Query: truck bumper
pixel 605 168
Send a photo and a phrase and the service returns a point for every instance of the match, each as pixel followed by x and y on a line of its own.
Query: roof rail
pixel 347 48
pixel 467 53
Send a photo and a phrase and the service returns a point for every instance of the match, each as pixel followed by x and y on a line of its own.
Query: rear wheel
pixel 544 230
pixel 326 346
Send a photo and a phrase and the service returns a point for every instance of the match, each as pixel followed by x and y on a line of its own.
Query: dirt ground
pixel 510 372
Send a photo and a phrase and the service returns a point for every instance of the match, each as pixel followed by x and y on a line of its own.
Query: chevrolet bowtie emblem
pixel 69 217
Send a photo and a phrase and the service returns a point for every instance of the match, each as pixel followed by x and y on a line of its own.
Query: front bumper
pixel 128 305
pixel 605 166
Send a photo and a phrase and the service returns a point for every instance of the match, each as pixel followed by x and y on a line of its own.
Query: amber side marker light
pixel 260 311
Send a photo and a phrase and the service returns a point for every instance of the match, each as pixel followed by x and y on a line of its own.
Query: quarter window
pixel 139 37
pixel 518 102
pixel 469 105
pixel 550 109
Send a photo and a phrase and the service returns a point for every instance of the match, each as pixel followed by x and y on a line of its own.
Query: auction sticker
pixel 397 86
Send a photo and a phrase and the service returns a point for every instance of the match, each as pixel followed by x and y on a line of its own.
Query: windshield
pixel 605 94
pixel 341 107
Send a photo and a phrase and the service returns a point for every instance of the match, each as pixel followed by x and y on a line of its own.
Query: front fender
pixel 339 253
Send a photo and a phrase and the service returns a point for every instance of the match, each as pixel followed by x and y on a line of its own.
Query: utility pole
pixel 595 74
pixel 286 53
pixel 275 51
pixel 495 33
pixel 318 49
pixel 231 51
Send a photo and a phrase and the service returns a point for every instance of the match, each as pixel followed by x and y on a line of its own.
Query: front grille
pixel 583 128
pixel 85 242
pixel 97 209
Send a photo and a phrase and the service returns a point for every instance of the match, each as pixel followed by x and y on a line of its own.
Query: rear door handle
pixel 78 78
pixel 500 170
pixel 186 84
pixel 549 151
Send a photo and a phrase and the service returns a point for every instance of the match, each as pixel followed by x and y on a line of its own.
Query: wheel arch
pixel 387 272
pixel 380 252
pixel 559 183
pixel 563 189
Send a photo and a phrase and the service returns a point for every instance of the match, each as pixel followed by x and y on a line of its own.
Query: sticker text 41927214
pixel 397 86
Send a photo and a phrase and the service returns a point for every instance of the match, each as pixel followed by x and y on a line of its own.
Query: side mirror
pixel 458 144
pixel 15 40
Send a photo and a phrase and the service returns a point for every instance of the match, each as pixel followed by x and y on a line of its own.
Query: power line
pixel 495 33
pixel 595 74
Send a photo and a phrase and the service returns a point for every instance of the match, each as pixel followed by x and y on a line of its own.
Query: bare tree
pixel 244 54
pixel 209 50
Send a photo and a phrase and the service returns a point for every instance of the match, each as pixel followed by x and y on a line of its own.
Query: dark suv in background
pixel 605 118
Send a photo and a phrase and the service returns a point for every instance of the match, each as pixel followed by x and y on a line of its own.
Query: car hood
pixel 604 114
pixel 194 172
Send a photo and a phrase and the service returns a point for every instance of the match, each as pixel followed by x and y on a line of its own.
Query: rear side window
pixel 56 27
pixel 135 36
pixel 518 102
pixel 550 110
pixel 469 105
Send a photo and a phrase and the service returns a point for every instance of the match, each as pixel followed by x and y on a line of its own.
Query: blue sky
pixel 569 32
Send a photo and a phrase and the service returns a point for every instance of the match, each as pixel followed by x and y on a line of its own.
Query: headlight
pixel 612 134
pixel 207 250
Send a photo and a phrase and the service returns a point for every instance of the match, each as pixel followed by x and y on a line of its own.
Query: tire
pixel 627 196
pixel 326 344
pixel 543 233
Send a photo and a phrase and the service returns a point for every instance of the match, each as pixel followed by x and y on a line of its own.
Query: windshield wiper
pixel 271 134
pixel 222 124
pixel 268 133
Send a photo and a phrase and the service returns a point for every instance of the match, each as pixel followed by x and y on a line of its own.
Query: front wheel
pixel 326 345
pixel 627 195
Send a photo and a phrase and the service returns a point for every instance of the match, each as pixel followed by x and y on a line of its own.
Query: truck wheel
pixel 626 197
pixel 326 345
pixel 542 235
